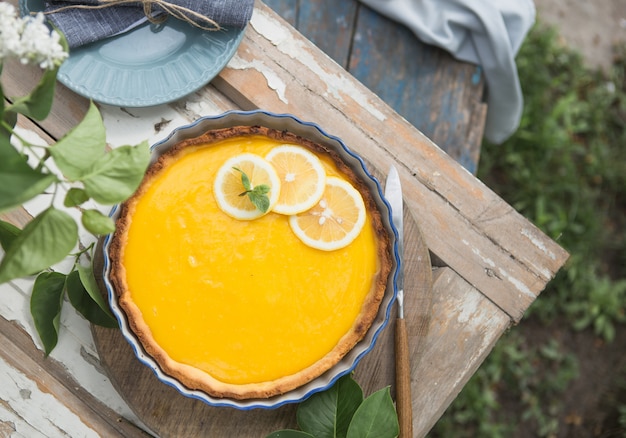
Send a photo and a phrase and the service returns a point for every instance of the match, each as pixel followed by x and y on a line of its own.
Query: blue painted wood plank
pixel 287 9
pixel 434 92
pixel 330 25
pixel 440 96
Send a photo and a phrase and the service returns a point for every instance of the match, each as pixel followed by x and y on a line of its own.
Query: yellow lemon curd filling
pixel 244 301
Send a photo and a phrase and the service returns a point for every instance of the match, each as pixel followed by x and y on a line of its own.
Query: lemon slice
pixel 302 178
pixel 335 221
pixel 231 192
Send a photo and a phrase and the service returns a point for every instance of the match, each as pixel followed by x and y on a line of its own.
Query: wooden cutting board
pixel 168 413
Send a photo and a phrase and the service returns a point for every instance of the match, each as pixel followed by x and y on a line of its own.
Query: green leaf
pixel 76 153
pixel 18 181
pixel 82 300
pixel 289 433
pixel 8 234
pixel 45 307
pixel 257 195
pixel 117 175
pixel 74 197
pixel 38 103
pixel 97 223
pixel 88 280
pixel 259 198
pixel 375 418
pixel 44 241
pixel 328 413
pixel 244 179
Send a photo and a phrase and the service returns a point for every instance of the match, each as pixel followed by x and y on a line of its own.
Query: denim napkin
pixel 86 25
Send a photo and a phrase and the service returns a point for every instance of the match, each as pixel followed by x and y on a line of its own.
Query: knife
pixel 393 193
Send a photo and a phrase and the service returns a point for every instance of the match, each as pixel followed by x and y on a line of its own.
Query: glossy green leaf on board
pixel 289 433
pixel 82 301
pixel 327 414
pixel 45 307
pixel 375 418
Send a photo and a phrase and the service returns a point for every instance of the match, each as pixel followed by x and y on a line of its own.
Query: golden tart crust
pixel 194 377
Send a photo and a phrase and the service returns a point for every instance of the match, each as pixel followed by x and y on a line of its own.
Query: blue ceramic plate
pixel 312 132
pixel 149 65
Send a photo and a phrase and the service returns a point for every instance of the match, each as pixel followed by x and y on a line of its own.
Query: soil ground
pixel 590 400
pixel 591 27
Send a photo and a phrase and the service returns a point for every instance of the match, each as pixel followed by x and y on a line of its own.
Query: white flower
pixel 29 39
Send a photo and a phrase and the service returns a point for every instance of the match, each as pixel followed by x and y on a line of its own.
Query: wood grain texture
pixel 329 24
pixel 18 351
pixel 441 97
pixel 466 325
pixel 168 413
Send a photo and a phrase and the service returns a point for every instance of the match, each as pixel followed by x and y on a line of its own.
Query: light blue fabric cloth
pixel 485 32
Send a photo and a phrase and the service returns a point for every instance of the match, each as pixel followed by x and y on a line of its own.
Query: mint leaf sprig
pixel 257 194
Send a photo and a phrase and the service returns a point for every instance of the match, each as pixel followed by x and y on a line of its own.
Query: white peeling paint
pixel 198 106
pixel 470 317
pixel 34 410
pixel 538 243
pixel 75 341
pixel 131 126
pixel 502 273
pixel 477 252
pixel 269 28
pixel 274 81
pixel 337 85
pixel 468 309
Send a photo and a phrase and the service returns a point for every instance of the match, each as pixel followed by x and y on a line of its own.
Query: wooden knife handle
pixel 403 380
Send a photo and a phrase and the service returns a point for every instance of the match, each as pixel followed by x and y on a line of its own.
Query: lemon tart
pixel 246 307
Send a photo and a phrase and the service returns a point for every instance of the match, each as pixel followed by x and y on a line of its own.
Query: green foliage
pixel 46 240
pixel 342 412
pixel 45 306
pixel 86 171
pixel 511 376
pixel 565 170
pixel 18 181
pixel 605 306
pixel 84 295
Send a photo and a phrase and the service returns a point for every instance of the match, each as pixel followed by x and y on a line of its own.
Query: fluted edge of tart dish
pixel 196 379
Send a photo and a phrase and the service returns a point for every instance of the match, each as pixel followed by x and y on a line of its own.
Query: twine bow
pixel 177 11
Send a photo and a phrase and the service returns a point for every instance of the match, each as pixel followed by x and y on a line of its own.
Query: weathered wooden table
pixel 474 265
pixel 441 97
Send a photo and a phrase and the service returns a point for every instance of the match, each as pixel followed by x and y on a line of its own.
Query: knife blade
pixel 393 193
